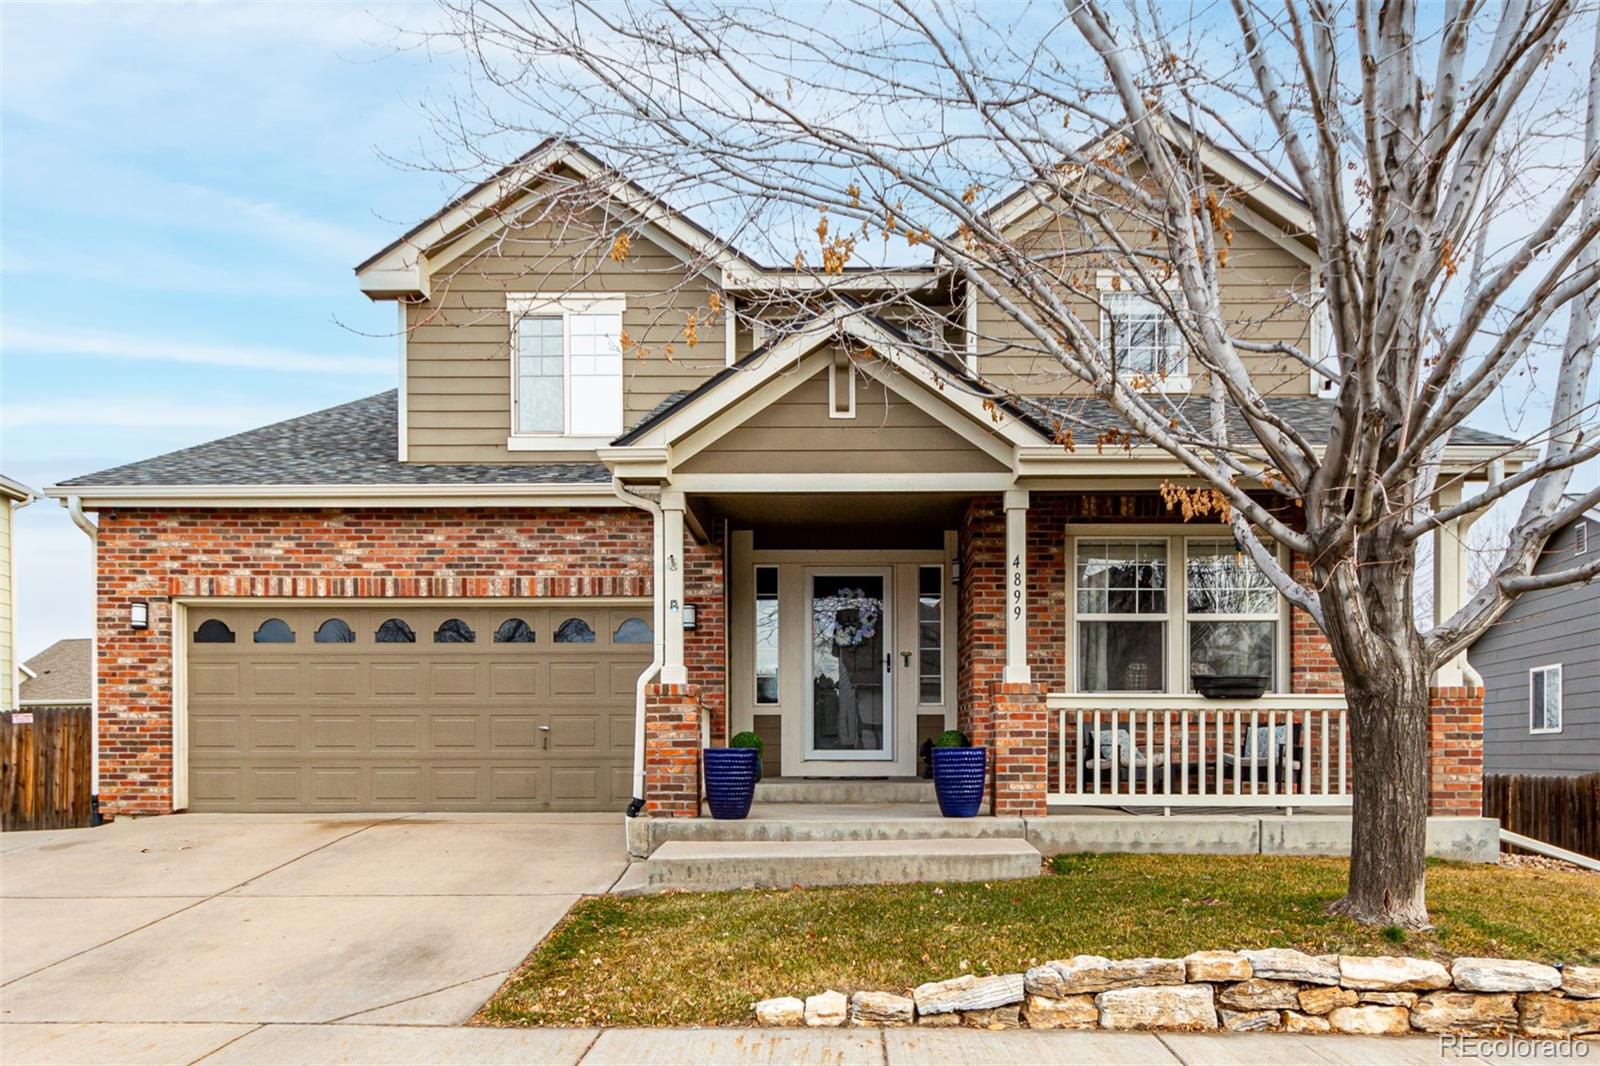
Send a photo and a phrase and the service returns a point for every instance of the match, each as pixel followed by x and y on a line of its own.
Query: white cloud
pixel 52 341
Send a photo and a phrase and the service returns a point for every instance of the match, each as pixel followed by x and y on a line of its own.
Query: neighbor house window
pixel 1121 611
pixel 1580 538
pixel 766 634
pixel 1231 613
pixel 1141 338
pixel 1544 699
pixel 930 634
pixel 567 366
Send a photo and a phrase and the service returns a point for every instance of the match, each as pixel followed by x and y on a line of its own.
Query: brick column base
pixel 1020 749
pixel 1455 751
pixel 672 751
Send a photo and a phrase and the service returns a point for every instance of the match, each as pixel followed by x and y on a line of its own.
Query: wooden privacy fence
pixel 45 778
pixel 1564 811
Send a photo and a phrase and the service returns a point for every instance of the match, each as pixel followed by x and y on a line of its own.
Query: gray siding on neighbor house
pixel 1542 628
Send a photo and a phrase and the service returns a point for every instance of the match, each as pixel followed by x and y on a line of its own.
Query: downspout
pixel 658 629
pixel 74 506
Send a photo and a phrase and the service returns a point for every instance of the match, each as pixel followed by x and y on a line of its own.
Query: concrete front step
pixel 845 790
pixel 716 865
pixel 868 822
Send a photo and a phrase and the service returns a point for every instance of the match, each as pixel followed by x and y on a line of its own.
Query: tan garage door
pixel 394 708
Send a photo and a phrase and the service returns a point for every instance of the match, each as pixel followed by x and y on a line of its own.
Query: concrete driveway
pixel 238 920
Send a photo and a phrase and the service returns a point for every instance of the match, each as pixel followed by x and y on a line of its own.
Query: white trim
pixel 969 315
pixel 1174 701
pixel 837 366
pixel 535 442
pixel 568 303
pixel 1115 284
pixel 1017 670
pixel 886 728
pixel 811 483
pixel 1561 719
pixel 730 332
pixel 1580 536
pixel 403 407
pixel 944 621
pixel 97 497
pixel 178 638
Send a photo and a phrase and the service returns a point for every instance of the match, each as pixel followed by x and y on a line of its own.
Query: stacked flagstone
pixel 1243 991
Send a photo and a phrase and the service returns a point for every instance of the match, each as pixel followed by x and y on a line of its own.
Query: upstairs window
pixel 566 367
pixel 1141 337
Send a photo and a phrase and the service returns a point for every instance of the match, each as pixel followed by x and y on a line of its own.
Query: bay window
pixel 566 387
pixel 1152 613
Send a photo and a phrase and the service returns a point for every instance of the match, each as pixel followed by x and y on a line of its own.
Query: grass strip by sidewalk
pixel 702 959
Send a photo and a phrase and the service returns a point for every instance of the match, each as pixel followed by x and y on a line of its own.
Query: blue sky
pixel 185 191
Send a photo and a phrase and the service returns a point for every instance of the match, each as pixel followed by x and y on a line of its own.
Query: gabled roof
pixel 1271 193
pixel 402 268
pixel 59 675
pixel 845 317
pixel 353 444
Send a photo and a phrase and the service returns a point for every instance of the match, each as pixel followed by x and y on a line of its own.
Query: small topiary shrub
pixel 952 738
pixel 747 739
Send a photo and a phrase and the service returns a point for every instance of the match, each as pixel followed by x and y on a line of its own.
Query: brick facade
pixel 1021 744
pixel 157 555
pixel 672 751
pixel 1455 751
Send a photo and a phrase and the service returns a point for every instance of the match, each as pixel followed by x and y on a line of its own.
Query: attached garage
pixel 387 706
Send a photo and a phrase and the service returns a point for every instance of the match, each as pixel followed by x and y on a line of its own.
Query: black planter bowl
pixel 1230 686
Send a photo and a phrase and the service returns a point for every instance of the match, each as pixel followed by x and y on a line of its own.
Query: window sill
pixel 533 443
pixel 1190 701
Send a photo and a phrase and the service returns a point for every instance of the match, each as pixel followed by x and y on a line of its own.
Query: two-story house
pixel 635 492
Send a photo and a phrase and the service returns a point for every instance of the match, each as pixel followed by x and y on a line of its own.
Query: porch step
pixel 787 821
pixel 845 790
pixel 718 865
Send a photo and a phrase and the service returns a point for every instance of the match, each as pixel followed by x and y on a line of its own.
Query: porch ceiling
pixel 788 520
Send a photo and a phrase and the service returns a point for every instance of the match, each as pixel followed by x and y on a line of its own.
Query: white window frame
pixel 755 632
pixel 1113 284
pixel 1189 617
pixel 1533 676
pixel 1176 661
pixel 1078 617
pixel 841 386
pixel 944 599
pixel 1580 537
pixel 534 305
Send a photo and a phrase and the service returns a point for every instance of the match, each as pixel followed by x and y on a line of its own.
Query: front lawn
pixel 702 959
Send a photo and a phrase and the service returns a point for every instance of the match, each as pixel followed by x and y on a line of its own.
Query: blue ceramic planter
pixel 958 775
pixel 731 780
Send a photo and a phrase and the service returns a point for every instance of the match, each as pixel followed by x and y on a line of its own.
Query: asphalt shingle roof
pixel 61 673
pixel 1311 416
pixel 353 444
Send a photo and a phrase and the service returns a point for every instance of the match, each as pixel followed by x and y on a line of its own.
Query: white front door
pixel 849 711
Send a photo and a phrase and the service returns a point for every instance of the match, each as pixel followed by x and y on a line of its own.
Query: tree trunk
pixel 1389 726
pixel 1367 603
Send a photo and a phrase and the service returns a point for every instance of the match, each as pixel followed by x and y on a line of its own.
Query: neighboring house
pixel 1541 669
pixel 14 496
pixel 572 547
pixel 60 676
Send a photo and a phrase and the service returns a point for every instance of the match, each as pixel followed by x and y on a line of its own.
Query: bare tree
pixel 1448 162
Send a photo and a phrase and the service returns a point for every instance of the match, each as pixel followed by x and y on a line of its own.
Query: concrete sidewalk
pixel 26 1044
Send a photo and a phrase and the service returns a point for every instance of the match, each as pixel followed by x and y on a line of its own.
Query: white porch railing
pixel 1164 751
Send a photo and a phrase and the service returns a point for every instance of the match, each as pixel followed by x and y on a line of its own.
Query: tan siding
pixel 1256 284
pixel 796 435
pixel 458 371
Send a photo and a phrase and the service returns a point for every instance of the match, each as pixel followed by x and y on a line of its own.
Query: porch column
pixel 673 669
pixel 1450 581
pixel 1017 671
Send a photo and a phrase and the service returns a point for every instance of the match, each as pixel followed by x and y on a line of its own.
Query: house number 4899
pixel 1016 586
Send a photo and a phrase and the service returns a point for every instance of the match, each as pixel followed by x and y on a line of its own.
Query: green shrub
pixel 952 738
pixel 747 739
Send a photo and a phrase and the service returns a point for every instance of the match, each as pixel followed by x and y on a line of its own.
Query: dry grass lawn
pixel 702 959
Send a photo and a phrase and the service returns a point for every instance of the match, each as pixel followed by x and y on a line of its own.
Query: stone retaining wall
pixel 1242 991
